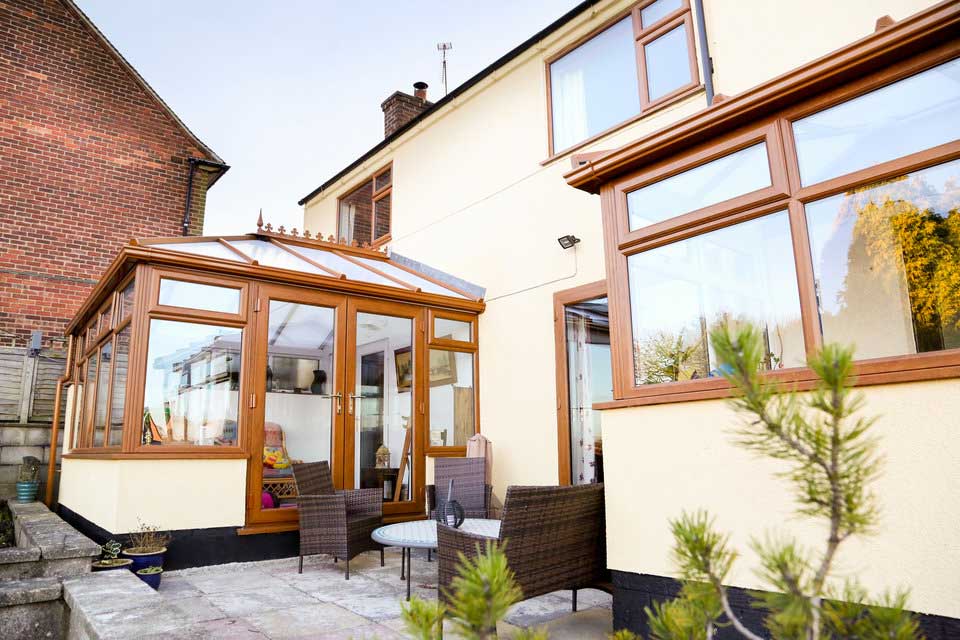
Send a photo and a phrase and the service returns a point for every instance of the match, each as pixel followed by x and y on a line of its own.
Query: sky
pixel 288 92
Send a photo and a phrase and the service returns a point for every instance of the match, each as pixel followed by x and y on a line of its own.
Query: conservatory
pixel 202 368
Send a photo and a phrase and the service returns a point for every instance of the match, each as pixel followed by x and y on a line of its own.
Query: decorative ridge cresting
pixel 330 243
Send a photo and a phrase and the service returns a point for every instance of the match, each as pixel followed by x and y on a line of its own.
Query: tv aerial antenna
pixel 443 47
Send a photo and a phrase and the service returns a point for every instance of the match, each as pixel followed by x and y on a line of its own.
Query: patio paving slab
pixel 236 604
pixel 270 600
pixel 307 621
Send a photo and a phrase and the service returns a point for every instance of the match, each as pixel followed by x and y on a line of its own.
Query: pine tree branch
pixel 728 610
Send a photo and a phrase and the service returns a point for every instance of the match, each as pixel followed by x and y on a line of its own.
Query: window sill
pixel 895 370
pixel 666 103
pixel 173 455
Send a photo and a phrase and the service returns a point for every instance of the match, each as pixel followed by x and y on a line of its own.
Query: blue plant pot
pixel 144 560
pixel 152 579
pixel 27 491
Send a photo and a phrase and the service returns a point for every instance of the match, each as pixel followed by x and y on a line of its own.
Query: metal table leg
pixel 403 561
pixel 409 571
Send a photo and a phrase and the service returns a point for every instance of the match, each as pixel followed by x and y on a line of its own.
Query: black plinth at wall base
pixel 202 547
pixel 632 592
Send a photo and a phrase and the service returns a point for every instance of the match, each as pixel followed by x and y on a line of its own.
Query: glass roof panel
pixel 270 255
pixel 402 274
pixel 351 270
pixel 208 249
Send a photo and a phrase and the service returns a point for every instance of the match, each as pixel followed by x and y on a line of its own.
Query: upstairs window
pixel 364 213
pixel 640 61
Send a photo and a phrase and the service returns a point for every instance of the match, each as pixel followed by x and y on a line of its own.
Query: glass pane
pixel 721 179
pixel 350 269
pixel 406 276
pixel 589 380
pixel 383 180
pixel 452 413
pixel 668 62
pixel 652 13
pixel 121 362
pixel 594 87
pixel 298 405
pixel 382 405
pixel 192 386
pixel 270 255
pixel 105 317
pixel 382 216
pixel 192 295
pixel 209 249
pixel 126 299
pixel 356 210
pixel 911 115
pixel 103 388
pixel 680 292
pixel 886 258
pixel 447 329
pixel 89 389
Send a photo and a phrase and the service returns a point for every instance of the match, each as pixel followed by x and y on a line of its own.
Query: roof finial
pixel 260 220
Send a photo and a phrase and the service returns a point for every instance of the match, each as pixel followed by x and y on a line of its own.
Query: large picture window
pixel 640 61
pixel 681 291
pixel 844 226
pixel 191 387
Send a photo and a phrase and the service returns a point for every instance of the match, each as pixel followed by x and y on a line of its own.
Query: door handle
pixel 353 398
pixel 338 396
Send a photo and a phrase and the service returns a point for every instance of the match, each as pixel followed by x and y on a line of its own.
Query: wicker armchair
pixel 469 486
pixel 555 540
pixel 338 523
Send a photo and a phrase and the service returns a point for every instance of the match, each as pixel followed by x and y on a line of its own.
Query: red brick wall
pixel 88 159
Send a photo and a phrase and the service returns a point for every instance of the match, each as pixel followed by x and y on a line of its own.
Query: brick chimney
pixel 400 108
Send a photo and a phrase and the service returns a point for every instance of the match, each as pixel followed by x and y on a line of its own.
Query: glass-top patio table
pixel 422 534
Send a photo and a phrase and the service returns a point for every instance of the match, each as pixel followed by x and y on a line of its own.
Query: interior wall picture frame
pixel 403 362
pixel 442 369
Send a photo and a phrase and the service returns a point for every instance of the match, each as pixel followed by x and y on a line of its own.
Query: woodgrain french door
pixel 384 403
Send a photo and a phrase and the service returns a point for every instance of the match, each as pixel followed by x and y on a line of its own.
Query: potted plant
pixel 147 546
pixel 28 483
pixel 151 575
pixel 108 558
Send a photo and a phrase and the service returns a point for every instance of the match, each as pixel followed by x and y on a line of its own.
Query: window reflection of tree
pixel 905 246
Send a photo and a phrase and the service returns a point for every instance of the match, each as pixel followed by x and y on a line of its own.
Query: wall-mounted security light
pixel 568 241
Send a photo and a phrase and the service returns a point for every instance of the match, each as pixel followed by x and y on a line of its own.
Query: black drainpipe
pixel 186 210
pixel 705 61
pixel 194 162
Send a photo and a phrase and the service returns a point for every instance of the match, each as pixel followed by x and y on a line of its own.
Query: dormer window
pixel 364 213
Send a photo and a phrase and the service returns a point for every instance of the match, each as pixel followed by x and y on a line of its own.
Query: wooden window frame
pixel 84 426
pixel 136 376
pixel 434 314
pixel 190 277
pixel 376 196
pixel 789 195
pixel 473 348
pixel 561 299
pixel 641 36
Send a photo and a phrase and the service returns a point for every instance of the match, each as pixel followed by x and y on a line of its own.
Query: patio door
pixel 334 379
pixel 383 404
pixel 298 402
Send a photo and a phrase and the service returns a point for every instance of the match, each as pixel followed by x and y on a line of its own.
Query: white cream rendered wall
pixel 171 494
pixel 753 41
pixel 664 459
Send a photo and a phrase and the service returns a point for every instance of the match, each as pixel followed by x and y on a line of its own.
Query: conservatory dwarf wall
pixel 200 361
